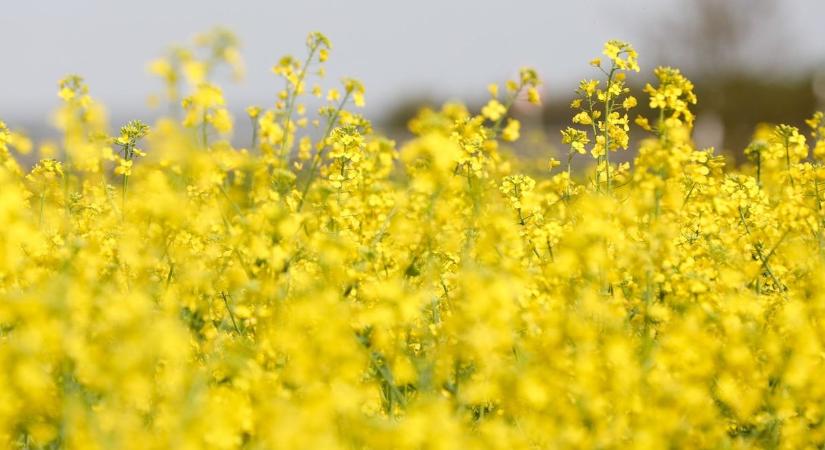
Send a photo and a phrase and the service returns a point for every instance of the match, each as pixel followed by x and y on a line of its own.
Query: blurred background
pixel 751 60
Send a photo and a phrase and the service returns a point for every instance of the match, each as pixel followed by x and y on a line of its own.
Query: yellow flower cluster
pixel 326 288
pixel 605 111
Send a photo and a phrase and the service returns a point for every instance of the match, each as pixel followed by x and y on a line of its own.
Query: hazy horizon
pixel 399 50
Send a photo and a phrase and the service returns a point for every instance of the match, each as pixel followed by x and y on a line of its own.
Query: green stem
pixel 759 168
pixel 595 133
pixel 127 154
pixel 569 173
pixel 42 200
pixel 788 160
pixel 203 131
pixel 231 315
pixel 607 106
pixel 661 125
pixel 291 101
pixel 762 258
pixel 507 107
pixel 123 194
pixel 254 133
pixel 318 157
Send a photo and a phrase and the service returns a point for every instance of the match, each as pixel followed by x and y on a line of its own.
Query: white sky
pixel 398 48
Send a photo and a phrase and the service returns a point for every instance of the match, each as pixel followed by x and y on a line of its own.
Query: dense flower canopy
pixel 326 287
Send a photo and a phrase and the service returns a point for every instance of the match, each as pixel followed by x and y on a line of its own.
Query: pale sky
pixel 397 48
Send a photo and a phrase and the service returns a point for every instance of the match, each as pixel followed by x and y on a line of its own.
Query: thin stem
pixel 231 315
pixel 507 107
pixel 595 133
pixel 231 202
pixel 762 258
pixel 569 173
pixel 316 161
pixel 759 168
pixel 292 98
pixel 203 131
pixel 123 194
pixel 819 215
pixel 42 200
pixel 127 155
pixel 660 126
pixel 788 160
pixel 254 133
pixel 607 105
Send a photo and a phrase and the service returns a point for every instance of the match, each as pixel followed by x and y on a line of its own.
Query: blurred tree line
pixel 733 51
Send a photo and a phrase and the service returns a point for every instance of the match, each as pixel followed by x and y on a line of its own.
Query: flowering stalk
pixel 127 141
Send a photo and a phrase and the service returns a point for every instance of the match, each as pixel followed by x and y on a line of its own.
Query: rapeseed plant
pixel 328 288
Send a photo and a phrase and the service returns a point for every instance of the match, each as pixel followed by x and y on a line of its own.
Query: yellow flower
pixel 493 110
pixel 333 289
pixel 583 118
pixel 221 120
pixel 621 54
pixel 124 167
pixel 356 89
pixel 577 139
pixel 643 122
pixel 511 131
pixel 533 96
pixel 333 95
pixel 253 112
